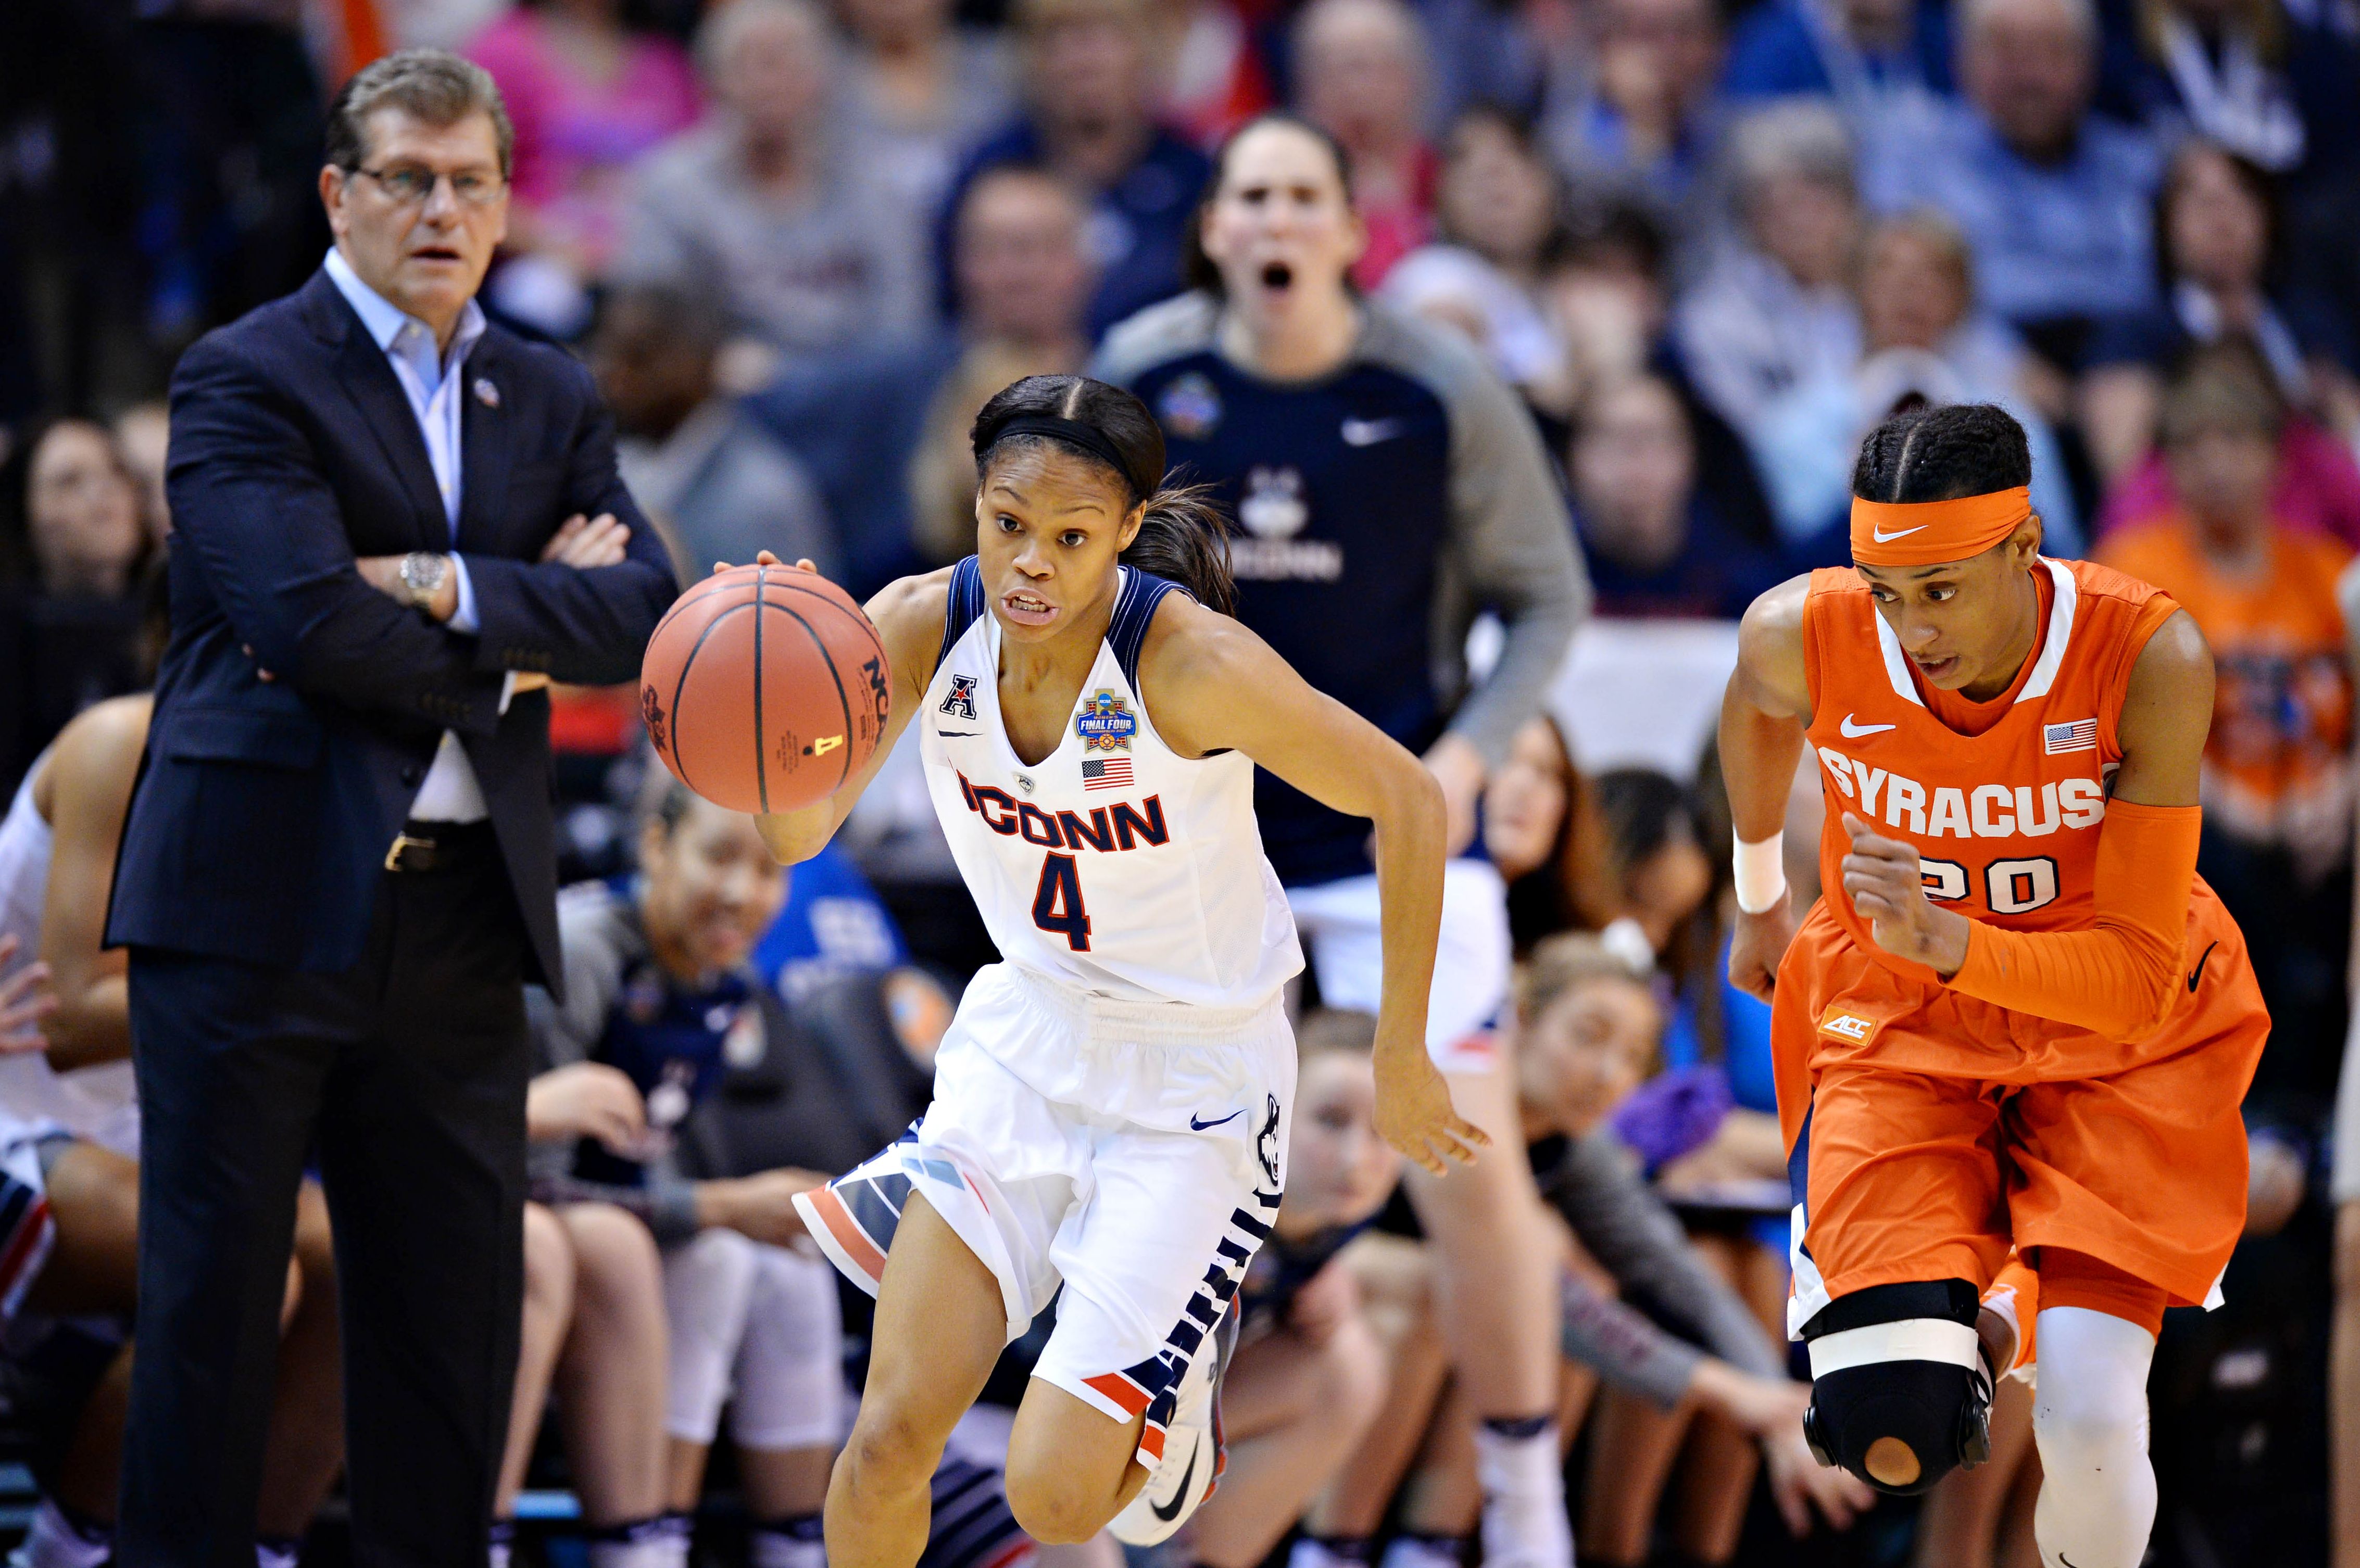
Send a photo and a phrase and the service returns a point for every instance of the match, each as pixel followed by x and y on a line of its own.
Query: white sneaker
pixel 1193 1453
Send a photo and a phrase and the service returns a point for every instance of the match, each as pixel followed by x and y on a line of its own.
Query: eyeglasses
pixel 410 185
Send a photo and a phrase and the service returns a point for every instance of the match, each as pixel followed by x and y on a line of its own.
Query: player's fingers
pixel 1469 1133
pixel 1788 1493
pixel 764 557
pixel 805 563
pixel 1855 827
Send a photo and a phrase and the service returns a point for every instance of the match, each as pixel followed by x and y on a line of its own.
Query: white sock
pixel 500 1544
pixel 2090 1418
pixel 1328 1552
pixel 278 1553
pixel 788 1543
pixel 1525 1523
pixel 54 1540
pixel 658 1542
pixel 1423 1551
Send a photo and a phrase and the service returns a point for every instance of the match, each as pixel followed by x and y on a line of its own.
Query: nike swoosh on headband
pixel 1884 538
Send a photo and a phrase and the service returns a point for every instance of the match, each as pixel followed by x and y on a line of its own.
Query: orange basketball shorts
pixel 1927 1132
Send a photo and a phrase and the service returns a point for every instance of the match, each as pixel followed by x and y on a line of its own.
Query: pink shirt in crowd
pixel 2318 488
pixel 577 137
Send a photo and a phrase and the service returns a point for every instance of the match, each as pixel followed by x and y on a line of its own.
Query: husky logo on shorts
pixel 1266 1143
pixel 960 703
pixel 1105 723
pixel 1845 1026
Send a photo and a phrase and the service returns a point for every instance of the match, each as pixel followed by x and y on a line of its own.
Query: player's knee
pixel 615 1256
pixel 548 1262
pixel 1899 1394
pixel 890 1450
pixel 2082 1435
pixel 1051 1505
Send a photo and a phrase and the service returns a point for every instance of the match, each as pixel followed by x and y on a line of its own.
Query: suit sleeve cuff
pixel 463 618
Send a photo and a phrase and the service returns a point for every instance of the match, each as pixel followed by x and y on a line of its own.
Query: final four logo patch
pixel 1105 723
pixel 960 703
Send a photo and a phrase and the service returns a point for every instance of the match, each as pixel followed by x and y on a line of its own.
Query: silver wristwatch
pixel 422 574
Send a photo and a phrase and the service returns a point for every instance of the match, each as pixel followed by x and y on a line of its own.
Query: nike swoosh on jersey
pixel 1853 732
pixel 2198 972
pixel 1195 1126
pixel 1369 433
pixel 1180 1498
pixel 1884 538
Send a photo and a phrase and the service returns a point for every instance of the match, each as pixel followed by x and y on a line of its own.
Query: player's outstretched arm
pixel 1763 716
pixel 1212 685
pixel 908 615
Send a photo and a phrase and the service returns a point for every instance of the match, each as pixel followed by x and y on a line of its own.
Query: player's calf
pixel 1900 1387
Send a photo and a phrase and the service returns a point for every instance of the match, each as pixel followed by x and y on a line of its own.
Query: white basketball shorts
pixel 1338 924
pixel 1133 1153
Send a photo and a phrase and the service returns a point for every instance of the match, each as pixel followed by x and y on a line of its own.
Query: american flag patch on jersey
pixel 1111 773
pixel 2081 734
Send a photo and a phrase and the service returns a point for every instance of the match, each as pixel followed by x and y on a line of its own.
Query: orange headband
pixel 1926 533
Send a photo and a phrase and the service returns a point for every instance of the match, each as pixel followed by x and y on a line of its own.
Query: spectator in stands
pixel 142 432
pixel 1360 75
pixel 71 1131
pixel 1875 57
pixel 1645 128
pixel 1922 337
pixel 1656 871
pixel 1309 1371
pixel 1655 543
pixel 1091 118
pixel 785 218
pixel 924 88
pixel 1497 219
pixel 2277 773
pixel 72 626
pixel 657 984
pixel 595 1333
pixel 1607 294
pixel 1023 277
pixel 1023 290
pixel 1776 310
pixel 2219 232
pixel 695 459
pixel 1541 829
pixel 2053 198
pixel 589 95
pixel 2270 83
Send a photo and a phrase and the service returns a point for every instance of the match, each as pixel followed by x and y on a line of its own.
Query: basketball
pixel 764 688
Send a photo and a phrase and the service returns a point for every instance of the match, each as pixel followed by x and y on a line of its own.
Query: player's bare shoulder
pixel 1770 663
pixel 1193 662
pixel 909 613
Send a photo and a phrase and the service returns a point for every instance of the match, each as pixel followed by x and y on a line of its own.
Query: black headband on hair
pixel 1088 438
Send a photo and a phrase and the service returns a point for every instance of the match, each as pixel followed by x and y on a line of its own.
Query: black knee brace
pixel 1900 1389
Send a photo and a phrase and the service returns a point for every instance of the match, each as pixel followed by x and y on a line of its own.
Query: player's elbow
pixel 1412 807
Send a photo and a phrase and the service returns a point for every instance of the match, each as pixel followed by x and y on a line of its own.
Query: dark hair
pixel 1567 888
pixel 1940 454
pixel 2251 177
pixel 1182 535
pixel 2224 385
pixel 1199 270
pixel 1618 230
pixel 1643 811
pixel 434 85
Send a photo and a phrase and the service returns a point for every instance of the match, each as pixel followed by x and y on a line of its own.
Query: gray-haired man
pixel 394 525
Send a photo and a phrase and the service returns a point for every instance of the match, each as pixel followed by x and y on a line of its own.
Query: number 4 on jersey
pixel 1058 902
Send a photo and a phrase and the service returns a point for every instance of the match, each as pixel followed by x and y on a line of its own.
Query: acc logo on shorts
pixel 1105 723
pixel 1846 1026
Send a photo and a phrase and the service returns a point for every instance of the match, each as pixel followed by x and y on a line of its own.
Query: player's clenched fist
pixel 1882 878
pixel 1758 944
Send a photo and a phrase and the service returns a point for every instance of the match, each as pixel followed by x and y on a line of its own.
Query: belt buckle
pixel 401 841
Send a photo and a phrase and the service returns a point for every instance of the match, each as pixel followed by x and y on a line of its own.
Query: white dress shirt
pixel 433 383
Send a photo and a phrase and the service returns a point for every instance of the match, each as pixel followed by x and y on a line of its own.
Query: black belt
pixel 438 846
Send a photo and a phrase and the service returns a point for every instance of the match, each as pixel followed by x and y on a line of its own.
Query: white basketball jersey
pixel 1113 865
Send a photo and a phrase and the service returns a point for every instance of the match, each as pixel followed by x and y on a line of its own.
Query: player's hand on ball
pixel 764 557
pixel 1882 877
pixel 1758 944
pixel 1413 1110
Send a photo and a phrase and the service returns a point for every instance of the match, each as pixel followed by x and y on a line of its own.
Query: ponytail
pixel 1183 537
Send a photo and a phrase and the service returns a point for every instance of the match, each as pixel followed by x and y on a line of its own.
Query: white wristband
pixel 1760 873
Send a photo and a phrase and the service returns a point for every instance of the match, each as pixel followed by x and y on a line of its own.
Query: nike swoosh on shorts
pixel 1195 1126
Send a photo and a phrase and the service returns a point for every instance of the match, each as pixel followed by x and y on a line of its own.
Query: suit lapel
pixel 486 431
pixel 368 380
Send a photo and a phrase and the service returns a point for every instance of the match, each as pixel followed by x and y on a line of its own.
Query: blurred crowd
pixel 1710 244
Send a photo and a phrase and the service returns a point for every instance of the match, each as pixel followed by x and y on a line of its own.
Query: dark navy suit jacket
pixel 264 809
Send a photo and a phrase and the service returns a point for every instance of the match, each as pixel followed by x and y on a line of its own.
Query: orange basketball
pixel 765 688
